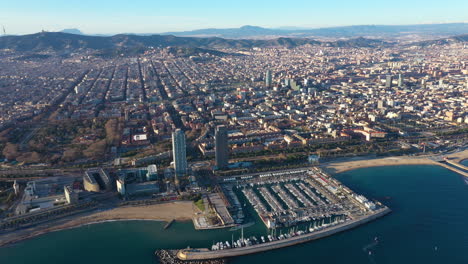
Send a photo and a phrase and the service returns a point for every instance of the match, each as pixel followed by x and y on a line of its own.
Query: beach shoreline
pixel 343 165
pixel 165 212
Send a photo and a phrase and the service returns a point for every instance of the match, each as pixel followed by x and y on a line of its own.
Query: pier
pixel 455 167
pixel 169 224
pixel 458 165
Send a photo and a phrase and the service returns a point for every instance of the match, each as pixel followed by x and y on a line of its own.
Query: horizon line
pixel 284 28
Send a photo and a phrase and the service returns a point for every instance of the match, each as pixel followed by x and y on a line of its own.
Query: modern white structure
pixel 16 187
pixel 152 173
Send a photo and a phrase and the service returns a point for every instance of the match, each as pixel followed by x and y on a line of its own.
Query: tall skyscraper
pixel 221 147
pixel 400 80
pixel 268 80
pixel 388 81
pixel 179 153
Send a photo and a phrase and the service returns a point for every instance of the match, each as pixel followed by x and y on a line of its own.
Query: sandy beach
pixel 161 212
pixel 180 210
pixel 358 162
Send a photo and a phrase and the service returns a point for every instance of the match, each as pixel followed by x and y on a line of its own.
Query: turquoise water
pixel 428 225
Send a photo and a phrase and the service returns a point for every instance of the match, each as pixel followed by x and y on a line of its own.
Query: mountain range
pixel 335 32
pixel 65 43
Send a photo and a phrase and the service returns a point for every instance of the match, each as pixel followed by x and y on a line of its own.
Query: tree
pixel 112 132
pixel 71 155
pixel 96 150
pixel 29 157
pixel 11 151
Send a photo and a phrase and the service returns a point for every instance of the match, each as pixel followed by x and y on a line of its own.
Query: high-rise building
pixel 221 147
pixel 179 153
pixel 268 80
pixel 388 81
pixel 400 80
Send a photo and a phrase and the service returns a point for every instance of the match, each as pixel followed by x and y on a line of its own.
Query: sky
pixel 156 16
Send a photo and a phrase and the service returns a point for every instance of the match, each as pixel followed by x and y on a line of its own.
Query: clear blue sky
pixel 153 16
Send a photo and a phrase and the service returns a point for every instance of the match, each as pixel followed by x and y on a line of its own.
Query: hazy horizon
pixel 292 27
pixel 113 17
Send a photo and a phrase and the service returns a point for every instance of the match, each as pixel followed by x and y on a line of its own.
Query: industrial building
pixel 138 181
pixel 45 194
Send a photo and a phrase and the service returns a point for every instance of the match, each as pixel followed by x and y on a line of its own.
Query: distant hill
pixel 442 41
pixel 242 32
pixel 72 31
pixel 128 44
pixel 347 31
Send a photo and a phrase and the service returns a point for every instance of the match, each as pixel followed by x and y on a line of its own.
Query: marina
pixel 253 245
pixel 301 196
pixel 296 206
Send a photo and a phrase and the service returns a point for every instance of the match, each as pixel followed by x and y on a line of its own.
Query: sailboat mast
pixel 242 233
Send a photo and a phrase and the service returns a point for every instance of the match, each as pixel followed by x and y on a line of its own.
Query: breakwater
pixel 455 167
pixel 169 257
pixel 459 165
pixel 169 224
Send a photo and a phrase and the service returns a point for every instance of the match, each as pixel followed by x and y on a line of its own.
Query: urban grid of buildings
pixel 209 110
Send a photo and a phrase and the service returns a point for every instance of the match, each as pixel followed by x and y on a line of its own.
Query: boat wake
pixel 368 249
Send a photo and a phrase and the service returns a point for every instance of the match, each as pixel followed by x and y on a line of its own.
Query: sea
pixel 428 224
